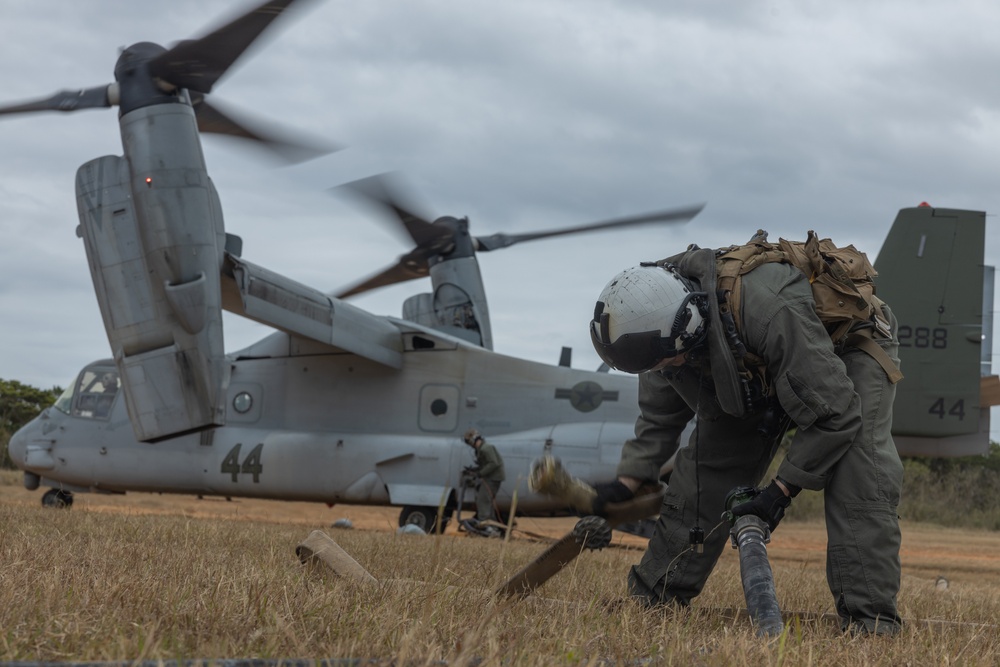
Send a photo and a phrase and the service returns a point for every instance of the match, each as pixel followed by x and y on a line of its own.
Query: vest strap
pixel 862 340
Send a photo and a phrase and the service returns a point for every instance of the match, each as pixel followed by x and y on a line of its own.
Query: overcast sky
pixel 521 115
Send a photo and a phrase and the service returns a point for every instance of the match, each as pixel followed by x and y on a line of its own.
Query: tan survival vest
pixel 842 282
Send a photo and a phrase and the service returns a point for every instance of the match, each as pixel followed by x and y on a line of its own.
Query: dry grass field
pixel 150 577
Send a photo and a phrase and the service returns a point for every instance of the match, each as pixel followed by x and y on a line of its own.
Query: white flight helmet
pixel 644 315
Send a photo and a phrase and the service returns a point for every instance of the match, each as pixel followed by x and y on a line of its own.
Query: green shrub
pixel 960 492
pixel 19 404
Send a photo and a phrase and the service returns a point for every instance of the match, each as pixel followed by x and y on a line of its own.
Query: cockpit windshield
pixel 93 393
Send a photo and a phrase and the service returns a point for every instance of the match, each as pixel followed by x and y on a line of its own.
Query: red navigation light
pixel 924 204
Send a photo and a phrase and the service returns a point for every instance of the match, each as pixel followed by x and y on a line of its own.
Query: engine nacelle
pixel 154 235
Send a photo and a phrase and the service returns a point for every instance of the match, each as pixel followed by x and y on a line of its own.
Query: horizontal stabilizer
pixel 989 391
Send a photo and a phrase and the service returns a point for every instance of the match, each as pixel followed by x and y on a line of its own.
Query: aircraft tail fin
pixel 932 274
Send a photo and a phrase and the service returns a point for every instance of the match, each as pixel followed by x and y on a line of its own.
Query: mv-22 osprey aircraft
pixel 338 406
pixel 342 406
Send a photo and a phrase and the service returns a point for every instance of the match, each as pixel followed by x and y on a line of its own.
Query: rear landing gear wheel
pixel 57 498
pixel 425 518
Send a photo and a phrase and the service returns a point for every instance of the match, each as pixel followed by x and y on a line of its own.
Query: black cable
pixel 697 536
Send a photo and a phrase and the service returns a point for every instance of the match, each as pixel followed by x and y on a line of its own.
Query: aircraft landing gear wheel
pixel 57 498
pixel 425 518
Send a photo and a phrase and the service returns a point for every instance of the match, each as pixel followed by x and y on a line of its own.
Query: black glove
pixel 610 492
pixel 769 504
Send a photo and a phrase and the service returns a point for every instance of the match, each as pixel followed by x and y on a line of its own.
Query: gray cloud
pixel 521 115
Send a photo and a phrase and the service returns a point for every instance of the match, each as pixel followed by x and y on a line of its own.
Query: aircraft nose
pixel 18 446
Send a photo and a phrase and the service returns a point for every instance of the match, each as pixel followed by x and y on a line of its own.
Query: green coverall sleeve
pixel 811 384
pixel 663 414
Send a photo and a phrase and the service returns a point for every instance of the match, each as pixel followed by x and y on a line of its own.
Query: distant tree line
pixel 959 492
pixel 19 404
pixel 953 492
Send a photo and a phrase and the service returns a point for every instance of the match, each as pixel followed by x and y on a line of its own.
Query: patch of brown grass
pixel 92 584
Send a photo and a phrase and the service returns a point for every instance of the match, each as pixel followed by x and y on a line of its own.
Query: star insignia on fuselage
pixel 586 396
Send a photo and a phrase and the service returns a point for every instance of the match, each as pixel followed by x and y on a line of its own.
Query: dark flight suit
pixel 489 466
pixel 841 402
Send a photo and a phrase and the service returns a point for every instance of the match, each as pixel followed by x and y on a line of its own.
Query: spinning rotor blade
pixel 66 100
pixel 400 272
pixel 212 119
pixel 385 192
pixel 448 236
pixel 498 241
pixel 197 64
pixel 431 239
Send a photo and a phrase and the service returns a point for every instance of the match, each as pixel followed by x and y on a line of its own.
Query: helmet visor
pixel 633 352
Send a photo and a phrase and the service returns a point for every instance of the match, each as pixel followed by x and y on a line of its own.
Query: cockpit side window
pixel 65 401
pixel 92 395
